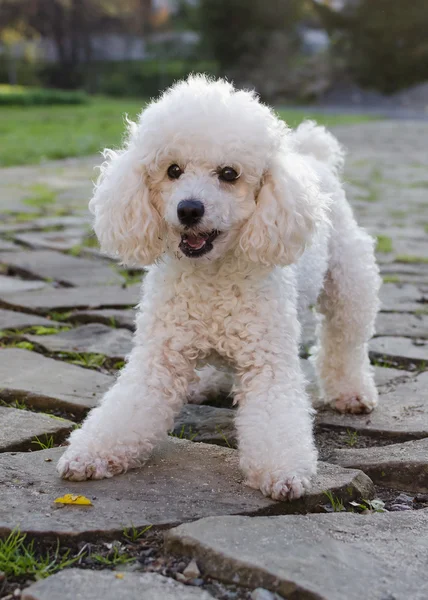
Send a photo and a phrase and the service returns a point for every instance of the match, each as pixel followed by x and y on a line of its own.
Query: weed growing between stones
pixel 133 534
pixel 19 558
pixel 35 330
pixel 44 445
pixel 6 342
pixel 224 437
pixel 116 556
pixel 391 279
pixel 336 505
pixel 351 438
pixel 384 244
pixel 59 316
pixel 184 435
pixel 83 359
pixel 14 404
pixel 409 259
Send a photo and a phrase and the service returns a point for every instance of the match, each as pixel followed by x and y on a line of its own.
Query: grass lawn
pixel 32 134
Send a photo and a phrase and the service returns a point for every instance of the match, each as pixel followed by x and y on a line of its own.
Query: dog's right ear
pixel 127 224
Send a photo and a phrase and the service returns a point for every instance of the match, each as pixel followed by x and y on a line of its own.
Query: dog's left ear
pixel 289 208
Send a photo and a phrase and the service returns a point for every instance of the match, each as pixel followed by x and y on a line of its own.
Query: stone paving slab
pixel 401 298
pixel 49 384
pixel 63 240
pixel 315 557
pixel 402 414
pixel 6 246
pixel 79 584
pixel 64 299
pixel 11 285
pixel 402 325
pixel 10 319
pixel 209 424
pixel 108 316
pixel 182 481
pixel 95 338
pixel 20 427
pixel 402 466
pixel 43 222
pixel 215 425
pixel 400 349
pixel 64 268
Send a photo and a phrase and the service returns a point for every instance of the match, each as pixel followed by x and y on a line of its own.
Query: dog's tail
pixel 316 141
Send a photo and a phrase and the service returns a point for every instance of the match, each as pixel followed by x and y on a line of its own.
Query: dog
pixel 241 222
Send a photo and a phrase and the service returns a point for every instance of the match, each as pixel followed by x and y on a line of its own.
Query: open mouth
pixel 197 244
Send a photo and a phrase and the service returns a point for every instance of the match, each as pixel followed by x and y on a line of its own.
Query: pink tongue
pixel 195 242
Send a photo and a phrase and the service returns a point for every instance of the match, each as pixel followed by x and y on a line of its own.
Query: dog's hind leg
pixel 347 310
pixel 210 384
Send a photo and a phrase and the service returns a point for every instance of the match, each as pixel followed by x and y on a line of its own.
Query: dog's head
pixel 207 169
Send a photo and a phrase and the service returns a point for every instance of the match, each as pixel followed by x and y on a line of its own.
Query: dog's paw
pixel 285 488
pixel 78 466
pixel 354 404
pixel 281 485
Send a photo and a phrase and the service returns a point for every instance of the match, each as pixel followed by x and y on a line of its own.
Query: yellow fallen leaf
pixel 119 575
pixel 73 499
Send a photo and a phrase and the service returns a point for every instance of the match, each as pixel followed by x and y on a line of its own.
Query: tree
pixel 236 32
pixel 384 42
pixel 71 25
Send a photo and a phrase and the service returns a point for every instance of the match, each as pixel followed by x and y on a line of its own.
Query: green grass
pixel 132 534
pixel 115 557
pixel 19 558
pixel 44 445
pixel 30 135
pixel 335 502
pixel 384 244
pixel 18 95
pixel 351 438
pixel 406 258
pixel 391 279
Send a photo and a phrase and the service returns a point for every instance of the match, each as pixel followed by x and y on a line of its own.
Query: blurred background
pixel 69 69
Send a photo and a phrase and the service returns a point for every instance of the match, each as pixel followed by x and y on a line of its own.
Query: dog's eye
pixel 174 172
pixel 228 174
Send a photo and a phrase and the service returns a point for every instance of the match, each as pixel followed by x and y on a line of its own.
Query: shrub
pixel 21 96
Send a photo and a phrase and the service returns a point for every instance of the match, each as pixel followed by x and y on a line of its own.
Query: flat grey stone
pixel 108 316
pixel 94 337
pixel 20 427
pixel 63 240
pixel 402 414
pixel 10 319
pixel 11 285
pixel 202 423
pixel 182 481
pixel 6 246
pixel 407 272
pixel 215 425
pixel 401 298
pixel 402 325
pixel 43 222
pixel 64 299
pixel 49 384
pixel 79 584
pixel 402 466
pixel 64 268
pixel 315 557
pixel 400 349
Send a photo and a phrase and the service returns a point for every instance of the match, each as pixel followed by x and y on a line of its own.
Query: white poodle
pixel 240 219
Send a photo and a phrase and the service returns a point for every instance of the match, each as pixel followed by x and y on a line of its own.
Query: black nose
pixel 190 212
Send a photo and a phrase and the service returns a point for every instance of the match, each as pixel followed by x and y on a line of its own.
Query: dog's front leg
pixel 136 412
pixel 274 420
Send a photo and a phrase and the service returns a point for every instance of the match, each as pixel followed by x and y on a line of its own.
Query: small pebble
pixel 191 571
pixel 403 499
pixel 398 507
pixel 262 594
pixel 421 498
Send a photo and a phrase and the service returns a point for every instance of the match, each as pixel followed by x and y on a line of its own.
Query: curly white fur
pixel 287 237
